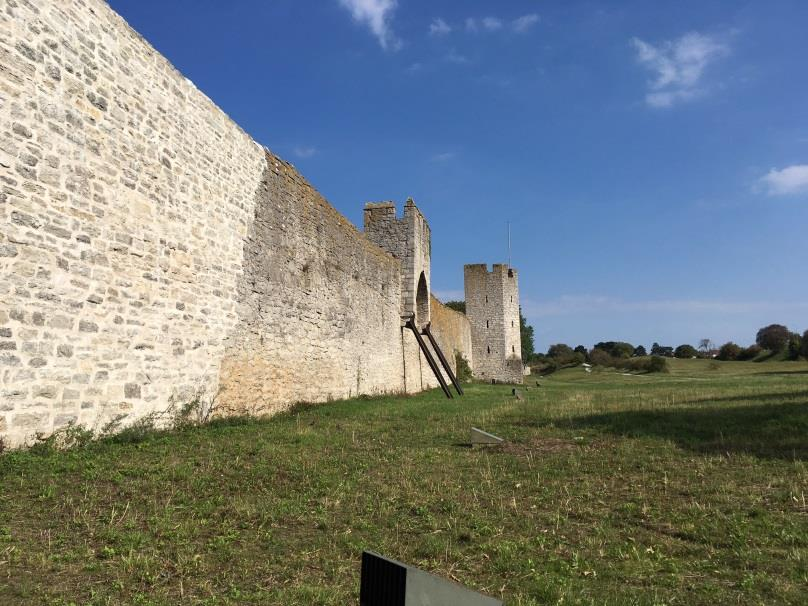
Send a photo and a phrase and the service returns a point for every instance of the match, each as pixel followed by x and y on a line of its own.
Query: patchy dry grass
pixel 687 488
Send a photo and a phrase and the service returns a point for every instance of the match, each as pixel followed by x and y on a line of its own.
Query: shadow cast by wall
pixel 770 431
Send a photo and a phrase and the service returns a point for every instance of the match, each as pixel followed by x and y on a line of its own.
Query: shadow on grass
pixel 775 398
pixel 771 431
pixel 782 373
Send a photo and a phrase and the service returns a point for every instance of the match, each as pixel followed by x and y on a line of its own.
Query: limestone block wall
pixel 318 306
pixel 126 195
pixel 151 251
pixel 452 330
pixel 492 308
pixel 409 240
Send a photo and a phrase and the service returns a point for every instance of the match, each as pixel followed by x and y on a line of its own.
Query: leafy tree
pixel 773 337
pixel 794 346
pixel 457 306
pixel 616 349
pixel 657 364
pixel 526 334
pixel 563 354
pixel 600 357
pixel 463 368
pixel 804 346
pixel 640 351
pixel 750 353
pixel 729 351
pixel 560 350
pixel 660 350
pixel 686 351
pixel 582 350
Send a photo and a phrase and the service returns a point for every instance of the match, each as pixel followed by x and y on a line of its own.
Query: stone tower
pixel 492 307
pixel 407 239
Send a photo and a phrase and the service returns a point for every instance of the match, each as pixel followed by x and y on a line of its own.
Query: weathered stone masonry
pixel 151 252
pixel 492 307
pixel 318 305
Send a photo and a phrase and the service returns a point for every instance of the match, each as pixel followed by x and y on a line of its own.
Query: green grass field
pixel 685 488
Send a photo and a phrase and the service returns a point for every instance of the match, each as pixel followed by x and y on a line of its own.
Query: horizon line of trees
pixel 771 340
pixel 776 339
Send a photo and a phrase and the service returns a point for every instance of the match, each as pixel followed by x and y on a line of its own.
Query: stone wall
pixel 452 331
pixel 492 308
pixel 409 240
pixel 318 306
pixel 152 252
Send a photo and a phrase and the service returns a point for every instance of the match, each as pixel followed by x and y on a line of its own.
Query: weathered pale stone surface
pixel 452 331
pixel 492 307
pixel 151 251
pixel 409 240
pixel 319 306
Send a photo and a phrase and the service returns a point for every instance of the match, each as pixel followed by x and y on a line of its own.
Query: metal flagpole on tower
pixel 509 244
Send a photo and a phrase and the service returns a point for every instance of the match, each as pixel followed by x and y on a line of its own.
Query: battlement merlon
pixel 500 269
pixel 379 212
pixel 386 212
pixel 408 239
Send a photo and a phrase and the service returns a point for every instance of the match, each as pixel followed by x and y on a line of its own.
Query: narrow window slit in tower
pixel 488 348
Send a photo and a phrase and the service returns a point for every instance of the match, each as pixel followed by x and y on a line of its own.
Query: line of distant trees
pixel 771 341
pixel 774 340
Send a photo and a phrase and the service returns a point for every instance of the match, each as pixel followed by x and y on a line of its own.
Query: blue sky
pixel 652 157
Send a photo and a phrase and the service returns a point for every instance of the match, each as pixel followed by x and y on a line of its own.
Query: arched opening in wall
pixel 422 302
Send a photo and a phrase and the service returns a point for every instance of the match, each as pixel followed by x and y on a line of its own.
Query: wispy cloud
pixel 376 15
pixel 304 152
pixel 443 157
pixel 678 66
pixel 454 57
pixel 787 181
pixel 493 24
pixel 524 23
pixel 439 27
pixel 584 304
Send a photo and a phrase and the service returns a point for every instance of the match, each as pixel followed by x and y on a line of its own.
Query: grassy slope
pixel 687 488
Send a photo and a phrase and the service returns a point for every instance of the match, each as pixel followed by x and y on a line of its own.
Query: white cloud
pixel 443 157
pixel 524 23
pixel 583 304
pixel 376 15
pixel 492 23
pixel 454 57
pixel 678 66
pixel 304 152
pixel 787 181
pixel 439 27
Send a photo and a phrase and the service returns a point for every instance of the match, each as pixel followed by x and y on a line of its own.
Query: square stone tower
pixel 492 307
pixel 409 240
